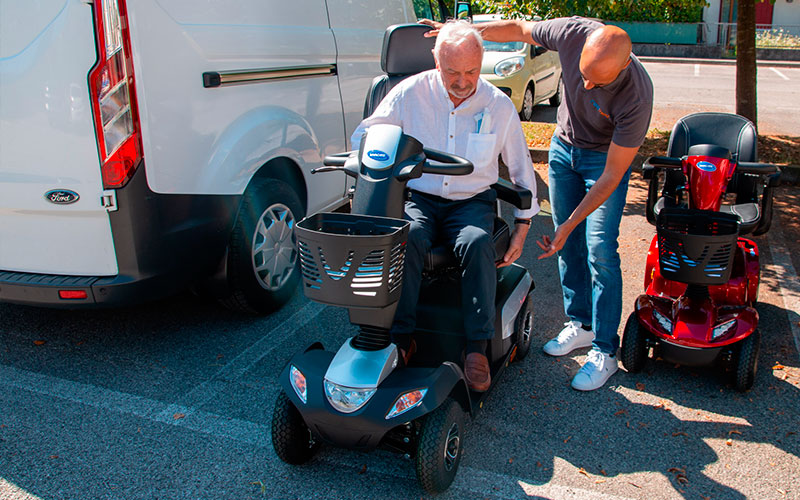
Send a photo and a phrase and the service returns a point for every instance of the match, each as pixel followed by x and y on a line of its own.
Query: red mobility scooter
pixel 702 275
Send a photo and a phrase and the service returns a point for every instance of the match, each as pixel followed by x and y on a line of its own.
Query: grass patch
pixel 780 149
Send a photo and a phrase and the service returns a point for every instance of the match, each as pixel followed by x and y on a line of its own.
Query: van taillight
pixel 113 95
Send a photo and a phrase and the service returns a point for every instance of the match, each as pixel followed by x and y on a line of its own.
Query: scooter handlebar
pixel 663 162
pixel 337 160
pixel 746 167
pixel 443 163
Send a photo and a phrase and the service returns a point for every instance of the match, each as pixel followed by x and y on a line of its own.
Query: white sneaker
pixel 572 337
pixel 595 372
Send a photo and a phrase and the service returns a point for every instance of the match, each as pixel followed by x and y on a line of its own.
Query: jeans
pixel 467 227
pixel 588 264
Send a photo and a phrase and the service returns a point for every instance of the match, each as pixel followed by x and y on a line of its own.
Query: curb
pixel 790 174
pixel 724 62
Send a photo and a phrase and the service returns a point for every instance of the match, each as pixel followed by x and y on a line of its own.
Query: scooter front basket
pixel 352 260
pixel 696 246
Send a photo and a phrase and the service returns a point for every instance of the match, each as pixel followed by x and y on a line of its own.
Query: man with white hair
pixel 451 109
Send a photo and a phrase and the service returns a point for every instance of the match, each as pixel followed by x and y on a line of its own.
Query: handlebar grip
pixel 746 167
pixel 446 164
pixel 664 162
pixel 336 160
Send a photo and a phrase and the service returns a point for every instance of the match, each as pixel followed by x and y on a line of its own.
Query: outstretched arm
pixel 495 31
pixel 617 163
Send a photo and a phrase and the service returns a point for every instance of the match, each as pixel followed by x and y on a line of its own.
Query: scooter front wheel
pixel 440 446
pixel 747 362
pixel 634 345
pixel 291 438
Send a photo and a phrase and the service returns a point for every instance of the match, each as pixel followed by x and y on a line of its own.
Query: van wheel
pixel 440 446
pixel 523 327
pixel 263 267
pixel 526 113
pixel 555 100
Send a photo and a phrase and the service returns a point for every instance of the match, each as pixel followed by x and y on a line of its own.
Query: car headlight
pixel 407 401
pixel 508 67
pixel 662 320
pixel 723 329
pixel 298 381
pixel 346 399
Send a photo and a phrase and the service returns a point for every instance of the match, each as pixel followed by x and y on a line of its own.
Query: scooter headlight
pixel 723 329
pixel 662 320
pixel 508 67
pixel 347 399
pixel 298 381
pixel 407 401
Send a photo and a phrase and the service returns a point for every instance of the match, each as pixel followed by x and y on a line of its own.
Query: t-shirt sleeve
pixel 556 33
pixel 631 127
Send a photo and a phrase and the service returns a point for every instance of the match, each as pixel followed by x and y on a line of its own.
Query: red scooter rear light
pixel 113 95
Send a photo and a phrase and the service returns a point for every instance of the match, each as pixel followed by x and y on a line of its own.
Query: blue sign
pixel 706 166
pixel 378 155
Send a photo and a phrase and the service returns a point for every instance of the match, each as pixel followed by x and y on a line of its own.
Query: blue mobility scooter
pixel 362 396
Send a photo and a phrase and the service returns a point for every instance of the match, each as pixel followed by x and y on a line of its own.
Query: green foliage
pixel 669 11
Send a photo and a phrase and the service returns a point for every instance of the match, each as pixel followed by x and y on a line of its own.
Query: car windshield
pixel 503 46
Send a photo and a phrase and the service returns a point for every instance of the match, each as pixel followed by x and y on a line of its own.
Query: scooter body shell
pixel 691 340
pixel 436 366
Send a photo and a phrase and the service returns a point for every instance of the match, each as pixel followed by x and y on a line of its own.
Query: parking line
pixel 696 70
pixel 788 283
pixel 780 74
pixel 129 404
pixel 242 363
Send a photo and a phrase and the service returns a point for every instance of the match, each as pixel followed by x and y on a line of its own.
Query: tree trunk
pixel 746 61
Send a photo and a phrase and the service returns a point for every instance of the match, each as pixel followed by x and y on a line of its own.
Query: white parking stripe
pixel 780 74
pixel 242 363
pixel 696 70
pixel 10 491
pixel 129 404
pixel 787 280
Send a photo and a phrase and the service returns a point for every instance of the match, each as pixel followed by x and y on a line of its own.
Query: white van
pixel 150 145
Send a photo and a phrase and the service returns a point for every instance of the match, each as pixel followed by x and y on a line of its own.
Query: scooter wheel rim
pixel 452 445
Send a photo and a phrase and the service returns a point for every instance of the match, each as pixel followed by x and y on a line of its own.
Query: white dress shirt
pixel 421 106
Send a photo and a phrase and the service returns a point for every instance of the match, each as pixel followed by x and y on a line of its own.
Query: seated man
pixel 451 109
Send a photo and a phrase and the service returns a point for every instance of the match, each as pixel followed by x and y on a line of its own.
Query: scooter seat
pixel 749 213
pixel 441 257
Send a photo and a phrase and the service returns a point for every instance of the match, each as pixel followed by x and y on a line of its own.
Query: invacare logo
pixel 378 155
pixel 706 166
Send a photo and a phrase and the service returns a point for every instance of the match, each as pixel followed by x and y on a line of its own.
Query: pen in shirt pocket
pixel 486 122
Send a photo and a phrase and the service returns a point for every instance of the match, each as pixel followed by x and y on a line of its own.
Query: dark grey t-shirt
pixel 591 119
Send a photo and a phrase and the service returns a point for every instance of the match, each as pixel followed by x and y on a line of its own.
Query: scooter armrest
pixel 509 192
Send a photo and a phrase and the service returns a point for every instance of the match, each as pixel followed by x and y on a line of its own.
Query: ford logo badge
pixel 706 166
pixel 378 155
pixel 61 196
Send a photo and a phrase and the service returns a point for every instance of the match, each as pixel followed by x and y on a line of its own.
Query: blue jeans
pixel 466 226
pixel 588 264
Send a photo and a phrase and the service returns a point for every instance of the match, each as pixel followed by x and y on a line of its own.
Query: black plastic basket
pixel 352 260
pixel 696 246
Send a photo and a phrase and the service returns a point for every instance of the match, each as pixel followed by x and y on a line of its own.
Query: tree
pixel 746 68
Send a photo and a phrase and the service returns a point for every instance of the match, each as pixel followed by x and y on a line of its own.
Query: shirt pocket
pixel 480 149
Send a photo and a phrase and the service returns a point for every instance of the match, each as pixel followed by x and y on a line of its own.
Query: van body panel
pixel 215 139
pixel 47 142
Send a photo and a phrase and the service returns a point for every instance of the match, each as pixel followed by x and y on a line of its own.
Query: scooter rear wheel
pixel 634 345
pixel 523 327
pixel 440 446
pixel 747 362
pixel 291 438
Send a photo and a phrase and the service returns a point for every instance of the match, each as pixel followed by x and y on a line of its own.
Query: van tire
pixel 268 213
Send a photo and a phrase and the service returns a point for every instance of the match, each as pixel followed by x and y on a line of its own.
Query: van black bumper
pixel 163 242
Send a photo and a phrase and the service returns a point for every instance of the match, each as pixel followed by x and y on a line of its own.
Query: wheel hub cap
pixel 451 447
pixel 274 247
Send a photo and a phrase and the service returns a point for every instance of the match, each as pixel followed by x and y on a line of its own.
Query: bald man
pixel 602 121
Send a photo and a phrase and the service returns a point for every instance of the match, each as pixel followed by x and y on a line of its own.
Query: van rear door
pixel 52 219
